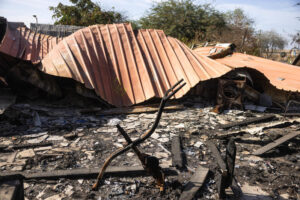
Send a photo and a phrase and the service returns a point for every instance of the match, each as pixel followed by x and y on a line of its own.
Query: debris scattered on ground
pixel 230 137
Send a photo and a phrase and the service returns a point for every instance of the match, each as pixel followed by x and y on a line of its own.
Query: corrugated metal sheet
pixel 281 75
pixel 126 67
pixel 23 43
pixel 217 51
pixel 209 50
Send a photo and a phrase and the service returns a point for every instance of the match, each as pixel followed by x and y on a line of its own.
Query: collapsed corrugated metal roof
pixel 282 76
pixel 23 43
pixel 125 67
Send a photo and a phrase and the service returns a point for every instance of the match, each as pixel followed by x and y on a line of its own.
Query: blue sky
pixel 278 15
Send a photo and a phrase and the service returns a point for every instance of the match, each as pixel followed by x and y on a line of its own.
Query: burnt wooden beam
pixel 25 146
pixel 230 160
pixel 290 114
pixel 234 186
pixel 130 110
pixel 218 156
pixel 123 171
pixel 194 184
pixel 177 157
pixel 276 143
pixel 248 121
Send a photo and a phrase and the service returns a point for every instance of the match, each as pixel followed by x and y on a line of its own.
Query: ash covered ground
pixel 86 140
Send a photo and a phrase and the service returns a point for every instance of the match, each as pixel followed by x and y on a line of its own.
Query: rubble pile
pixel 84 141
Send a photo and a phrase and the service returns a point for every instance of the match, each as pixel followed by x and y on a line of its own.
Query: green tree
pixel 240 31
pixel 296 37
pixel 269 41
pixel 184 20
pixel 84 13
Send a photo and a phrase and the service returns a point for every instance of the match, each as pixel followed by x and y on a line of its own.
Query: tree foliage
pixel 269 41
pixel 240 31
pixel 84 13
pixel 184 19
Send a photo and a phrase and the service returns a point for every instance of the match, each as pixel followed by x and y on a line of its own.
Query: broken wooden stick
pixel 194 184
pixel 276 143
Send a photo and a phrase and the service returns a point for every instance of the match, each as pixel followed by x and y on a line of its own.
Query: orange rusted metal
pixel 23 43
pixel 126 67
pixel 282 76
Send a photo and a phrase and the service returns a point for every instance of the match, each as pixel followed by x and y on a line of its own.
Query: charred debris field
pixel 58 152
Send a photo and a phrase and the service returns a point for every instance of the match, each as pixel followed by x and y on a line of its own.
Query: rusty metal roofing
pixel 126 67
pixel 281 75
pixel 23 43
pixel 216 51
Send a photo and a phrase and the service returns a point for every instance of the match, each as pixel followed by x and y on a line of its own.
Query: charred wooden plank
pixel 177 157
pixel 25 146
pixel 276 143
pixel 218 156
pixel 234 186
pixel 82 173
pixel 248 121
pixel 131 110
pixel 230 161
pixel 194 184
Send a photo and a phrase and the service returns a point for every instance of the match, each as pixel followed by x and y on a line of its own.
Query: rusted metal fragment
pixel 217 51
pixel 276 143
pixel 150 163
pixel 286 109
pixel 126 68
pixel 230 94
pixel 282 76
pixel 194 184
